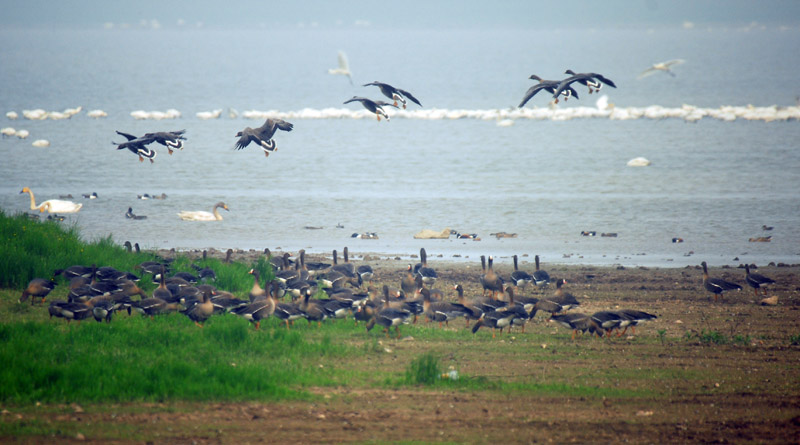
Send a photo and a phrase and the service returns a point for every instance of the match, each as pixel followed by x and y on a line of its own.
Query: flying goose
pixel 370 105
pixel 396 94
pixel 137 146
pixel 169 139
pixel 547 85
pixel 262 135
pixel 593 81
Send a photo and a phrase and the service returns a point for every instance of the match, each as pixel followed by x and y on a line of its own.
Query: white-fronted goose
pixel 540 277
pixel 717 286
pixel 565 299
pixel 546 85
pixel 137 146
pixel 491 281
pixel 593 81
pixel 756 281
pixel 396 94
pixel 520 278
pixel 170 139
pixel 37 288
pixel 471 311
pixel 427 273
pixel 52 205
pixel 200 311
pixel 440 311
pixel 201 215
pixel 371 106
pixel 262 135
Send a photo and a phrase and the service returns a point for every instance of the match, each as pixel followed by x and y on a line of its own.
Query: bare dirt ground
pixel 704 371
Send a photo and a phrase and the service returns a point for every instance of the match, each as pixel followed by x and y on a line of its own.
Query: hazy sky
pixel 405 13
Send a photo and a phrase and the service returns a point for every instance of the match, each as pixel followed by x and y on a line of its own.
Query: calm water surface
pixel 713 183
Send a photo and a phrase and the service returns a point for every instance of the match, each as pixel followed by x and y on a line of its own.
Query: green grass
pixel 139 359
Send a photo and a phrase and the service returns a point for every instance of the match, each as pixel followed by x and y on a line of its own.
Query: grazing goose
pixel 312 310
pixel 608 321
pixel 70 311
pixel 343 68
pixel 547 85
pixel 427 273
pixel 520 278
pixel 287 312
pixel 200 311
pixel 396 94
pixel 563 298
pixel 491 281
pixel 389 316
pixel 717 286
pixel 137 146
pixel 200 215
pixel 756 280
pixel 169 139
pixel 540 277
pixel 256 311
pixel 521 314
pixel 371 106
pixel 471 311
pixel 577 322
pixel 632 318
pixel 130 215
pixel 262 135
pixel 440 311
pixel 37 288
pixel 52 205
pixel 496 319
pixel 661 67
pixel 593 81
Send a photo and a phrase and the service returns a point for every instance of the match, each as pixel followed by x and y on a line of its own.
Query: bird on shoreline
pixel 371 106
pixel 546 85
pixel 396 94
pixel 593 81
pixel 262 135
pixel 717 286
pixel 756 280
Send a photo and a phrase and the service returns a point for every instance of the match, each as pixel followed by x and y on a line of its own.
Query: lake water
pixel 717 174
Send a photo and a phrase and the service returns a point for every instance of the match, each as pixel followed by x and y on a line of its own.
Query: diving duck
pixel 717 286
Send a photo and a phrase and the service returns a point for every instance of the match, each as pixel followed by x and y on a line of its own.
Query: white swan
pixel 52 205
pixel 41 143
pixel 639 162
pixel 201 215
pixel 8 132
pixel 95 114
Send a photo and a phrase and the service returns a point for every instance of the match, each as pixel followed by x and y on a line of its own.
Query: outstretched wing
pixel 283 125
pixel 127 136
pixel 605 80
pixel 530 93
pixel 408 95
pixel 343 64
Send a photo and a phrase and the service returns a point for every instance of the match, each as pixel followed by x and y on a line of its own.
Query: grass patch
pixel 168 358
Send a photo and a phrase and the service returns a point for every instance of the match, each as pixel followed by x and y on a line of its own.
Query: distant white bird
pixel 22 134
pixel 97 114
pixel 205 115
pixel 12 115
pixel 639 162
pixel 200 215
pixel 8 131
pixel 41 143
pixel 662 66
pixel 344 67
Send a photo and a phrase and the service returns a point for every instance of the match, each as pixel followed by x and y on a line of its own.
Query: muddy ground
pixel 705 371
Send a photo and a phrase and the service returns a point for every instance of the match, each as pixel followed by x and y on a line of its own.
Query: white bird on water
pixel 661 66
pixel 200 215
pixel 344 67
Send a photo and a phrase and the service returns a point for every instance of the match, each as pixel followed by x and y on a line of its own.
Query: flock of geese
pixel 349 292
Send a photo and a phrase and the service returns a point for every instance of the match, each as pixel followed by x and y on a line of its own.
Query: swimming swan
pixel 200 215
pixel 52 205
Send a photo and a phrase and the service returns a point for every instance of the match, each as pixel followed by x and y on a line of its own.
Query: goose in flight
pixel 370 105
pixel 262 135
pixel 593 81
pixel 137 146
pixel 547 85
pixel 396 94
pixel 661 66
pixel 344 67
pixel 169 139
